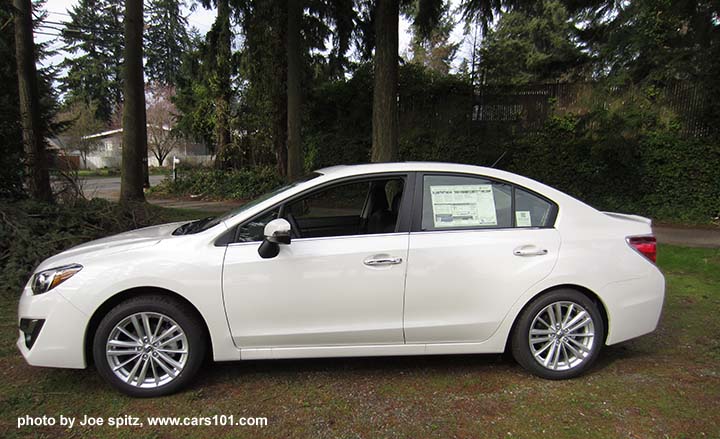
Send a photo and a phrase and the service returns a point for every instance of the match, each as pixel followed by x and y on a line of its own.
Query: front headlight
pixel 46 280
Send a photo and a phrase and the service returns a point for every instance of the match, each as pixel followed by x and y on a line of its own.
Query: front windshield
pixel 207 223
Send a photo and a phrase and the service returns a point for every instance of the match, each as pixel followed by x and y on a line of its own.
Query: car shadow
pixel 385 365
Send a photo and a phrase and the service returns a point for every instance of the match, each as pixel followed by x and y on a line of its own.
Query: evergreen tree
pixel 532 46
pixel 166 40
pixel 435 51
pixel 94 35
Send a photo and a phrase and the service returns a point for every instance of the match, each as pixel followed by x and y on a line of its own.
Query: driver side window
pixel 346 209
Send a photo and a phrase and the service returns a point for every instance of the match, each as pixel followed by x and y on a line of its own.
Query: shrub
pixel 32 231
pixel 242 184
pixel 630 159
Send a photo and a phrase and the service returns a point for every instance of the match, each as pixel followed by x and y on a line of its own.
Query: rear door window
pixel 462 202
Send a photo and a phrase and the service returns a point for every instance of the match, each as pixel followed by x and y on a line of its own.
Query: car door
pixel 336 283
pixel 476 245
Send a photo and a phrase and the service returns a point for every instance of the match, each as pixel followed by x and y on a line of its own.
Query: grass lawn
pixel 113 172
pixel 664 385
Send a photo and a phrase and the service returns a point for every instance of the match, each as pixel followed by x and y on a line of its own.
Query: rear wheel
pixel 559 335
pixel 149 346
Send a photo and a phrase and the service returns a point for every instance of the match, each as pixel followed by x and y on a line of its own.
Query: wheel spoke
pixel 157 328
pixel 538 354
pixel 579 325
pixel 154 372
pixel 175 338
pixel 123 364
pixel 134 370
pixel 576 319
pixel 541 320
pixel 164 366
pixel 565 354
pixel 169 360
pixel 570 309
pixel 540 339
pixel 550 354
pixel 123 344
pixel 556 357
pixel 136 325
pixel 122 352
pixel 146 325
pixel 579 345
pixel 130 336
pixel 172 351
pixel 551 314
pixel 574 351
pixel 558 313
pixel 143 372
pixel 167 332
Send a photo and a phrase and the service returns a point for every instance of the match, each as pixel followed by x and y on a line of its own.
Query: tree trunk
pixel 36 162
pixel 385 108
pixel 279 95
pixel 222 99
pixel 294 92
pixel 134 148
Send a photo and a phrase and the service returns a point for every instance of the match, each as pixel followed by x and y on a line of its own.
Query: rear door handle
pixel 374 261
pixel 530 251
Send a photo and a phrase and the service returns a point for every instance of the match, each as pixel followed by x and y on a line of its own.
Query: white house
pixel 108 150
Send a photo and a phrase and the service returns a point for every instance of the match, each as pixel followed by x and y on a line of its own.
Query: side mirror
pixel 276 232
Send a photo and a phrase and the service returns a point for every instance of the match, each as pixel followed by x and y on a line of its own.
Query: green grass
pixel 664 385
pixel 113 172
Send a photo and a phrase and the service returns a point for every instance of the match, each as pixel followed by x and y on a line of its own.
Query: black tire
pixel 573 365
pixel 193 344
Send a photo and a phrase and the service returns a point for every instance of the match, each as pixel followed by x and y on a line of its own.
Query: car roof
pixel 369 168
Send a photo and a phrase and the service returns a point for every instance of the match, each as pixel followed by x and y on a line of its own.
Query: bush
pixel 633 159
pixel 31 231
pixel 240 184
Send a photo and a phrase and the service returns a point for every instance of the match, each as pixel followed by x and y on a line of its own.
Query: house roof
pixel 109 133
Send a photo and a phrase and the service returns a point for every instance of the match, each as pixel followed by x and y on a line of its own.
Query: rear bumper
pixel 634 306
pixel 59 342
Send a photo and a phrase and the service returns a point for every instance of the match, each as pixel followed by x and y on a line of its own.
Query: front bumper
pixel 60 340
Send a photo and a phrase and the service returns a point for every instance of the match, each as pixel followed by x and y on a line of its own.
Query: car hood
pixel 113 244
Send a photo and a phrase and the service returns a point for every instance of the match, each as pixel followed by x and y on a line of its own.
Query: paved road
pixel 109 188
pixel 688 237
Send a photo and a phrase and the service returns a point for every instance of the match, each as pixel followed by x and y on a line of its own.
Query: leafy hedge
pixel 618 148
pixel 31 232
pixel 239 184
pixel 632 158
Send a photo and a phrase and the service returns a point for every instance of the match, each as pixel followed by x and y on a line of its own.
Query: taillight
pixel 645 245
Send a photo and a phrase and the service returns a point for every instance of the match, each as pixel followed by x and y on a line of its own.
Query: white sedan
pixel 365 260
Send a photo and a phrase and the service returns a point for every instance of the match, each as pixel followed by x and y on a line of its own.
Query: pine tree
pixel 94 35
pixel 166 40
pixel 435 51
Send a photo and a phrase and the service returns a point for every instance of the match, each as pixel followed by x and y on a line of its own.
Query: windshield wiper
pixel 193 226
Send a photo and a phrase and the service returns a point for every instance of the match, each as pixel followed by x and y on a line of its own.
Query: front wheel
pixel 559 335
pixel 149 346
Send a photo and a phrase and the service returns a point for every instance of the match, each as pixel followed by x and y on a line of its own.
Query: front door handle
pixel 374 261
pixel 530 251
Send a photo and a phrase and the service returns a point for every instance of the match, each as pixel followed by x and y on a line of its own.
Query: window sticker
pixel 522 218
pixel 463 205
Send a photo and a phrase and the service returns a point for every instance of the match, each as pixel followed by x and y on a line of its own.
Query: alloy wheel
pixel 147 350
pixel 562 336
